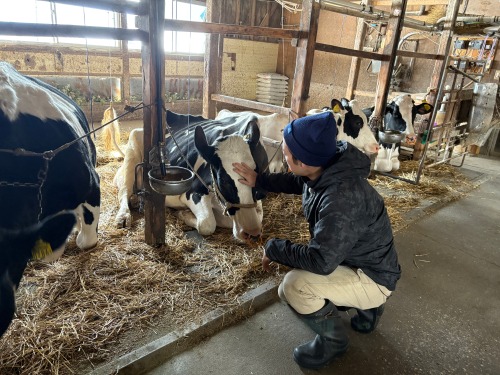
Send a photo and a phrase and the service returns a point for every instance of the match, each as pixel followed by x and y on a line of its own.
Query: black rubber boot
pixel 331 340
pixel 367 320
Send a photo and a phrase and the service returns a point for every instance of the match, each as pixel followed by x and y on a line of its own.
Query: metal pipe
pixel 419 12
pixel 368 12
pixel 480 19
pixel 439 95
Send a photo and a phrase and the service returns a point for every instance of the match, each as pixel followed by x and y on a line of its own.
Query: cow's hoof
pixel 123 221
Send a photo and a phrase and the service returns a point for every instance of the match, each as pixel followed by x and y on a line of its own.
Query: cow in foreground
pixel 41 173
pixel 210 146
pixel 17 247
pixel 399 115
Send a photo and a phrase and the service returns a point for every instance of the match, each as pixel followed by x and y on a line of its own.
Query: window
pixel 179 41
pixel 43 12
pixel 34 11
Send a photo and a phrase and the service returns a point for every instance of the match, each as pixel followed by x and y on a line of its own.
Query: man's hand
pixel 266 262
pixel 249 176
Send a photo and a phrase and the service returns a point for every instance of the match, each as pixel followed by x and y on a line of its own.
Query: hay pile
pixel 71 314
pixel 442 183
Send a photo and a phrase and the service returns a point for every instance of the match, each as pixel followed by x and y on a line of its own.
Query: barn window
pixel 179 41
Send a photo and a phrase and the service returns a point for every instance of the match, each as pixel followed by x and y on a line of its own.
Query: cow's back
pixel 38 118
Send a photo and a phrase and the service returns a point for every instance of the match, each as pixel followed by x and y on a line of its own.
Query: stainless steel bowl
pixel 391 136
pixel 176 181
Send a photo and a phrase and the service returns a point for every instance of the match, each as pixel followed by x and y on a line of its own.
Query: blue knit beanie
pixel 311 139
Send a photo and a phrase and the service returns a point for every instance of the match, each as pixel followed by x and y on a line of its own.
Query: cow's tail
pixel 110 134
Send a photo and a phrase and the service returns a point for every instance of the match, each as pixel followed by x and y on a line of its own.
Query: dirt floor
pixel 98 304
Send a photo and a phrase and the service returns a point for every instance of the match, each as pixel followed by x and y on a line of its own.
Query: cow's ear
pixel 345 103
pixel 52 233
pixel 424 108
pixel 336 105
pixel 201 144
pixel 368 111
pixel 252 133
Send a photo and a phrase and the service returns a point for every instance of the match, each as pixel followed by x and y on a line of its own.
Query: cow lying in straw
pixel 216 197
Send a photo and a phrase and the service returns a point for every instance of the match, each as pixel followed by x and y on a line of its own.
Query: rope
pixel 51 153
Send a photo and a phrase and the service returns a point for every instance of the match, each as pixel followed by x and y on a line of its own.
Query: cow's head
pixel 240 200
pixel 400 114
pixel 353 126
pixel 17 247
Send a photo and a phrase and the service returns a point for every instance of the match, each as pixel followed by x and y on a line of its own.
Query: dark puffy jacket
pixel 347 218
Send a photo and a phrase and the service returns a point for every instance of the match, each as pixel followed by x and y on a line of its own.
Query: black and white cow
pixel 211 146
pixel 399 115
pixel 17 247
pixel 352 125
pixel 41 174
pixel 271 132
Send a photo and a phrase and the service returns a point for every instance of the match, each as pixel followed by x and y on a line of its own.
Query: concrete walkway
pixel 443 319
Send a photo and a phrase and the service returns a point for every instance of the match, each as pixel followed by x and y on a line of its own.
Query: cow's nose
pixel 252 234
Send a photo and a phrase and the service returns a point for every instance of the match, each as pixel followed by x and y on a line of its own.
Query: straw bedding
pixel 72 313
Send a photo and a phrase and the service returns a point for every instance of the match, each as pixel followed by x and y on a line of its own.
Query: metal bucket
pixel 176 181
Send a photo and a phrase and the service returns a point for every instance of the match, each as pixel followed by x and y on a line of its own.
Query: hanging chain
pixel 47 156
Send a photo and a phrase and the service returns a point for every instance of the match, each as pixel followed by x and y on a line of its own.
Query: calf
pixel 210 146
pixel 47 163
pixel 400 115
pixel 271 131
pixel 352 125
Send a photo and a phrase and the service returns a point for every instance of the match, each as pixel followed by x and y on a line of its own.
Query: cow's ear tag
pixel 336 108
pixel 427 107
pixel 247 137
pixel 41 249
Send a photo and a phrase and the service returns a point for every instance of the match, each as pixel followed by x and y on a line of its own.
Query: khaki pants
pixel 306 292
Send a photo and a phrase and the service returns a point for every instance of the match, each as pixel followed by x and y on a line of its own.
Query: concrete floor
pixel 444 317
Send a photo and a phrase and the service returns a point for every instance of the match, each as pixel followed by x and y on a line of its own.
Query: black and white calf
pixel 211 146
pixel 399 115
pixel 352 125
pixel 36 119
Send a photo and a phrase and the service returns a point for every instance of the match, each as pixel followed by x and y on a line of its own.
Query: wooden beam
pixel 111 5
pixel 153 72
pixel 252 15
pixel 305 55
pixel 374 55
pixel 213 61
pixel 251 104
pixel 126 63
pixel 218 28
pixel 418 55
pixel 38 29
pixel 392 36
pixel 351 52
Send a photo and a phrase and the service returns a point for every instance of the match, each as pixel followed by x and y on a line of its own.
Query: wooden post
pixel 126 63
pixel 305 55
pixel 356 61
pixel 153 73
pixel 213 60
pixel 392 36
